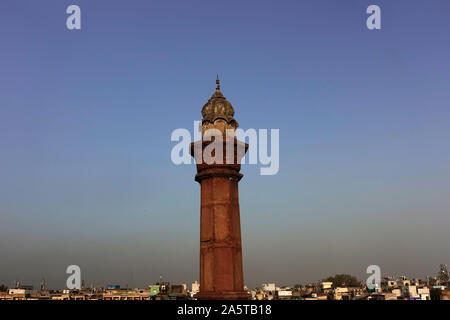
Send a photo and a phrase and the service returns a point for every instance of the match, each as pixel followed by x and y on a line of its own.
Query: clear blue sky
pixel 86 118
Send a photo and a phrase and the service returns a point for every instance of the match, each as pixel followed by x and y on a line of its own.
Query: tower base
pixel 223 296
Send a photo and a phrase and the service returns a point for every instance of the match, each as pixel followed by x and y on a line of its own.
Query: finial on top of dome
pixel 218 107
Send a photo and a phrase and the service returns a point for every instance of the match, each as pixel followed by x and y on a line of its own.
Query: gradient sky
pixel 86 118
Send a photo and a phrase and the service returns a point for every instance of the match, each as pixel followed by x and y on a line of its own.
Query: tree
pixel 3 288
pixel 443 274
pixel 431 281
pixel 297 287
pixel 343 280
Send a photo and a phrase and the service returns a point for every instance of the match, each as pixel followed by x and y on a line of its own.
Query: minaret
pixel 221 273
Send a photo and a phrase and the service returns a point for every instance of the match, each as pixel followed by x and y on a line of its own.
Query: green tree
pixel 443 274
pixel 3 288
pixel 343 280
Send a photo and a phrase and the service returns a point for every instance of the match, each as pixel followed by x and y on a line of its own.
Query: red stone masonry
pixel 221 273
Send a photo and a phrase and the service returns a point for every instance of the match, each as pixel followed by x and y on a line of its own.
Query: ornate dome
pixel 218 107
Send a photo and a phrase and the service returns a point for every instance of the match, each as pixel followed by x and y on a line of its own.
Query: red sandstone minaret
pixel 221 274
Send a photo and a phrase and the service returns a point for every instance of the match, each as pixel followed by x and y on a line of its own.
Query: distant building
pixel 390 296
pixel 391 283
pixel 21 293
pixel 17 291
pixel 112 287
pixel 424 293
pixel 154 290
pixel 404 282
pixel 177 289
pixel 397 292
pixel 445 295
pixel 195 287
pixel 410 291
pixel 269 287
pixel 326 285
pixel 284 294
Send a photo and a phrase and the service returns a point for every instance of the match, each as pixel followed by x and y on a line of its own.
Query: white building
pixel 327 285
pixel 424 293
pixel 269 287
pixel 340 290
pixel 284 293
pixel 195 288
pixel 18 291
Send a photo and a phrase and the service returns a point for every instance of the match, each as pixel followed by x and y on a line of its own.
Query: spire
pixel 218 83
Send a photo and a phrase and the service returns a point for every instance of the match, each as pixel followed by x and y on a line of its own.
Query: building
pixel 391 284
pixel 284 294
pixel 445 295
pixel 424 293
pixel 154 290
pixel 326 285
pixel 410 291
pixel 268 287
pixel 195 288
pixel 18 294
pixel 397 292
pixel 341 293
